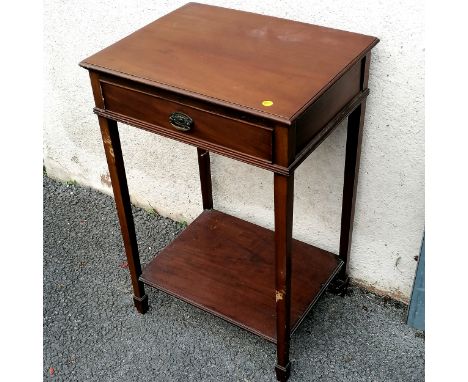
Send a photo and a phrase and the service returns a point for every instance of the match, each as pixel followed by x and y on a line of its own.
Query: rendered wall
pixel 389 218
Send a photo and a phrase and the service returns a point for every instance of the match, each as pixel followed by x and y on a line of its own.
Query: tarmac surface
pixel 93 333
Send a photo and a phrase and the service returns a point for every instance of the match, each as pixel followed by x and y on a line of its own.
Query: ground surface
pixel 93 333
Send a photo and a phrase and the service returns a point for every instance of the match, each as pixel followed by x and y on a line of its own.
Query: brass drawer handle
pixel 181 121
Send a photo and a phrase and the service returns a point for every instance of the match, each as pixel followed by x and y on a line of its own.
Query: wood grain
pixel 111 141
pixel 284 199
pixel 237 135
pixel 204 167
pixel 235 58
pixel 226 266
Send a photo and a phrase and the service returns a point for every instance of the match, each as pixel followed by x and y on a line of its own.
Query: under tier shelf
pixel 226 266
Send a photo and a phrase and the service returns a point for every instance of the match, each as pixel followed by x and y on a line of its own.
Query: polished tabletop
pixel 258 63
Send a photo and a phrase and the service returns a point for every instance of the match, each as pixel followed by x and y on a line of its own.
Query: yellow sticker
pixel 267 103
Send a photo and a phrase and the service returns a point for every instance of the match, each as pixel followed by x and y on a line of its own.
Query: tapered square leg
pixel 141 304
pixel 284 196
pixel 353 153
pixel 111 140
pixel 204 167
pixel 282 373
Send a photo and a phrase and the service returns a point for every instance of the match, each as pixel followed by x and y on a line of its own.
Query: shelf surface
pixel 226 266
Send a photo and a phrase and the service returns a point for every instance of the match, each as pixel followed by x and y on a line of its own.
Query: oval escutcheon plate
pixel 181 121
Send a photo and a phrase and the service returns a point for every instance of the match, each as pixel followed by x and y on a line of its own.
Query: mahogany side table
pixel 262 90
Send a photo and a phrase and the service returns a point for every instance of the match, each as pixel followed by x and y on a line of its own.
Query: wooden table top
pixel 235 58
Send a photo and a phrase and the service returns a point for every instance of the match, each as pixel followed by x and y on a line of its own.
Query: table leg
pixel 111 140
pixel 284 197
pixel 353 153
pixel 205 178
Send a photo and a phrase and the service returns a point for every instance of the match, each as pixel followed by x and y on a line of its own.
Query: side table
pixel 262 90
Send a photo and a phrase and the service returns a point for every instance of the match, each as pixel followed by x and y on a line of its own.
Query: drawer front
pixel 240 136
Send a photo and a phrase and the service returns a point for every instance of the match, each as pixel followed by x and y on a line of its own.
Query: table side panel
pixel 317 115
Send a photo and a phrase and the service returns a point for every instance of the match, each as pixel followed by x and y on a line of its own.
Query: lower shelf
pixel 226 266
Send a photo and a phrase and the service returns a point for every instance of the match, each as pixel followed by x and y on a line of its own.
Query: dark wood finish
pixel 175 95
pixel 284 197
pixel 204 167
pixel 327 129
pixel 236 135
pixel 365 65
pixel 188 139
pixel 353 153
pixel 236 58
pixel 226 266
pixel 327 106
pixel 351 172
pixel 96 86
pixel 110 138
pixel 217 67
pixel 278 169
pixel 131 96
pixel 284 146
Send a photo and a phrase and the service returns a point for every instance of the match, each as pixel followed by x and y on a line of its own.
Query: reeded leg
pixel 353 153
pixel 111 140
pixel 205 178
pixel 284 196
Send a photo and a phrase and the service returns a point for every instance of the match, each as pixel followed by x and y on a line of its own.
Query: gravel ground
pixel 93 333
